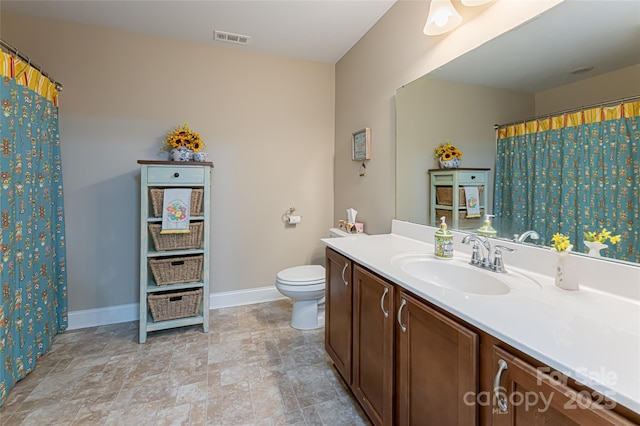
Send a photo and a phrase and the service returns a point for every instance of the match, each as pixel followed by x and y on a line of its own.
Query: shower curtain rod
pixel 566 111
pixel 14 51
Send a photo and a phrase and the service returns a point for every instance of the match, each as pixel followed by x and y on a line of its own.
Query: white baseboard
pixel 130 312
pixel 103 316
pixel 229 299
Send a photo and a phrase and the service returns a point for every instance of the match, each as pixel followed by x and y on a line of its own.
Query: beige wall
pixel 271 125
pixel 606 87
pixel 393 53
pixel 268 123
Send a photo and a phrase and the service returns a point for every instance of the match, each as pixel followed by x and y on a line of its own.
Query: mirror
pixel 519 75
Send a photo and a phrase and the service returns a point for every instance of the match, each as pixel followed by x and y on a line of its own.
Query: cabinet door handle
pixel 502 401
pixel 346 265
pixel 386 291
pixel 176 174
pixel 402 326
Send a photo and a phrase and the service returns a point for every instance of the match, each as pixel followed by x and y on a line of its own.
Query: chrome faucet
pixel 478 242
pixel 484 260
pixel 527 234
pixel 498 264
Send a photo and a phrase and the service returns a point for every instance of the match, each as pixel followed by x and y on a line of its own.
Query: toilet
pixel 306 286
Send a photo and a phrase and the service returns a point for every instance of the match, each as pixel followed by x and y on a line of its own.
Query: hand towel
pixel 176 205
pixel 472 195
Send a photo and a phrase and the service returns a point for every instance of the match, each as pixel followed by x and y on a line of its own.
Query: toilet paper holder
pixel 289 218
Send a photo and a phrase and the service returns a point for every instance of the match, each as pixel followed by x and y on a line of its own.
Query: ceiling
pixel 538 55
pixel 535 56
pixel 317 30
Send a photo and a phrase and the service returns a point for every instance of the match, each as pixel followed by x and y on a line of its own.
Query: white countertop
pixel 589 335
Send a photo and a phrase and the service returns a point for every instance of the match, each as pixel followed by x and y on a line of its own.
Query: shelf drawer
pixel 174 304
pixel 471 177
pixel 175 175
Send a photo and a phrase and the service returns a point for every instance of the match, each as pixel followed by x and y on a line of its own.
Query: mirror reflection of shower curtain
pixel 32 232
pixel 574 173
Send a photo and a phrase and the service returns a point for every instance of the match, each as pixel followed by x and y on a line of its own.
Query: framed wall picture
pixel 361 145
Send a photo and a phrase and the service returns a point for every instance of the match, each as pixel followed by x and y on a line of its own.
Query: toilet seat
pixel 306 275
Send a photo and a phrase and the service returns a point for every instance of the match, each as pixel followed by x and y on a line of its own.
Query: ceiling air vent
pixel 231 37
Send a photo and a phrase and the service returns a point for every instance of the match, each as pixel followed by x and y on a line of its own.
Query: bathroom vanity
pixel 499 349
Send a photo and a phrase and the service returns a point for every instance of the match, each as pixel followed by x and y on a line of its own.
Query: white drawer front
pixel 471 177
pixel 193 175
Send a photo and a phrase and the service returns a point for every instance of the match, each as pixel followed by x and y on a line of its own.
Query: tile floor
pixel 252 368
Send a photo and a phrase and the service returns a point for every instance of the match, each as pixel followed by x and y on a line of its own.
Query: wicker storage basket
pixel 176 270
pixel 157 197
pixel 444 195
pixel 191 240
pixel 172 305
pixel 464 222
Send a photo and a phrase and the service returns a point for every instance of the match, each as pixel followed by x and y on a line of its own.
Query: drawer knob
pixel 176 174
pixel 472 177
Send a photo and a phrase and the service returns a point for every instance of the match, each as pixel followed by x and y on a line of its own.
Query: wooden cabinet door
pixel 436 367
pixel 338 312
pixel 373 345
pixel 525 395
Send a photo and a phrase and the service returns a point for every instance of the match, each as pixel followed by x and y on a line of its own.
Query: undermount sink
pixel 459 275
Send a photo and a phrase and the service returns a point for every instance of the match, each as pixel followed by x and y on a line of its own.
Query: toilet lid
pixel 307 274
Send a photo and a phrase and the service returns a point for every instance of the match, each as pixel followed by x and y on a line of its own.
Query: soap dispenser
pixel 443 242
pixel 487 230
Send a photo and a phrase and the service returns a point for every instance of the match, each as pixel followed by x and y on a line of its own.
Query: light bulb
pixel 443 17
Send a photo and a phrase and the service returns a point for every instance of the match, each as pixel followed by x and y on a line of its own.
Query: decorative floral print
pixel 177 211
pixel 32 235
pixel 572 179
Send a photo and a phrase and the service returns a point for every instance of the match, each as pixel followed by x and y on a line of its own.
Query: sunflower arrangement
pixel 601 237
pixel 182 137
pixel 447 151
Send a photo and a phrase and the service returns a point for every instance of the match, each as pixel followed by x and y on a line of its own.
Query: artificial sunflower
pixel 183 137
pixel 447 151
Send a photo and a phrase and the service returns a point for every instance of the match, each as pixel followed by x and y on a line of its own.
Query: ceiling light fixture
pixel 443 17
pixel 474 2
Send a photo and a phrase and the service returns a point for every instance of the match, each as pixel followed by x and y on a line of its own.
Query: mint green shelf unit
pixel 171 174
pixel 456 179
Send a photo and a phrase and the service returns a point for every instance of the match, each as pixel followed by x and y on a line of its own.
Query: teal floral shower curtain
pixel 32 233
pixel 572 174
